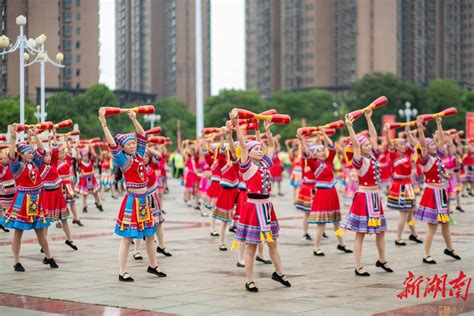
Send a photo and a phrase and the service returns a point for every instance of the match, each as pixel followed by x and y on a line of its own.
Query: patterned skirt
pixel 26 212
pixel 54 203
pixel 225 204
pixel 135 219
pixel 366 214
pixel 305 197
pixel 68 192
pixel 401 196
pixel 258 222
pixel 325 208
pixel 154 203
pixel 107 179
pixel 87 184
pixel 241 200
pixel 433 206
pixel 7 192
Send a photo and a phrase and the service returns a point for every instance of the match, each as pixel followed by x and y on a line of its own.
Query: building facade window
pixel 67 4
pixel 67 16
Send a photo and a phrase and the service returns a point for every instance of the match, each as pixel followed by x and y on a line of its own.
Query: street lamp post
pixel 22 44
pixel 44 58
pixel 408 112
pixel 152 118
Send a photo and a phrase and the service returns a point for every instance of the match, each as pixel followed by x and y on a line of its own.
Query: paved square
pixel 203 280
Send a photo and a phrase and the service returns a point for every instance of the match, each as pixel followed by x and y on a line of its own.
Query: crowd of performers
pixel 233 179
pixel 229 173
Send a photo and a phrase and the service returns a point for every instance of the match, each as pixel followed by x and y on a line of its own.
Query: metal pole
pixel 22 76
pixel 199 70
pixel 43 109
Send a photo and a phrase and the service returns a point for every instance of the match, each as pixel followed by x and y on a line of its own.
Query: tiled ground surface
pixel 203 280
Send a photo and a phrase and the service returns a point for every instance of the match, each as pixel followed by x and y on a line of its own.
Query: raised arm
pixel 440 139
pixel 302 145
pixel 271 141
pixel 244 155
pixel 11 149
pixel 328 141
pixel 107 134
pixel 231 141
pixel 133 117
pixel 386 132
pixel 411 138
pixel 421 136
pixel 372 130
pixel 353 136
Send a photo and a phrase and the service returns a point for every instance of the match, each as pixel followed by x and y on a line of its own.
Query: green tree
pixel 445 93
pixel 397 90
pixel 316 106
pixel 217 107
pixel 10 109
pixel 172 110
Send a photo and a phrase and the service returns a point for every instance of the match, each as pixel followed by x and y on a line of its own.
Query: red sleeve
pixel 221 159
pixel 332 154
pixel 54 156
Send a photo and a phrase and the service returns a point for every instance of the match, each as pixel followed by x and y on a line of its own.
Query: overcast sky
pixel 227 44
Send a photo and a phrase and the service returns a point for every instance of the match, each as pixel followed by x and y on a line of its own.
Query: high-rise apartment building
pixel 70 26
pixel 331 44
pixel 155 47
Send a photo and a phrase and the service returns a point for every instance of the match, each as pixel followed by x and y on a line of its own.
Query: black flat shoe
pixel 416 239
pixel 343 248
pixel 137 256
pixel 71 244
pixel 156 272
pixel 18 267
pixel 325 236
pixel 41 250
pixel 451 254
pixel 214 234
pixel 99 207
pixel 430 261
pixel 84 210
pixel 240 265
pixel 223 248
pixel 379 264
pixel 51 263
pixel 77 222
pixel 163 251
pixel 252 289
pixel 264 261
pixel 233 229
pixel 400 243
pixel 307 237
pixel 279 278
pixel 458 208
pixel 125 277
pixel 364 274
pixel 318 253
pixel 6 230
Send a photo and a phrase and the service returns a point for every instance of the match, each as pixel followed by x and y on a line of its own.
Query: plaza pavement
pixel 203 280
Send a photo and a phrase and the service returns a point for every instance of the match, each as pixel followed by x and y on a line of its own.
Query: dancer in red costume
pixel 134 219
pixel 26 211
pixel 52 198
pixel 258 222
pixel 433 208
pixel 401 195
pixel 87 183
pixel 366 214
pixel 325 204
pixel 7 185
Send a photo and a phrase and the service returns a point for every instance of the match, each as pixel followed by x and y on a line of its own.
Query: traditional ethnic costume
pixel 325 205
pixel 366 213
pixel 433 206
pixel 229 186
pixel 52 198
pixel 401 195
pixel 134 219
pixel 26 211
pixel 87 182
pixel 258 222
